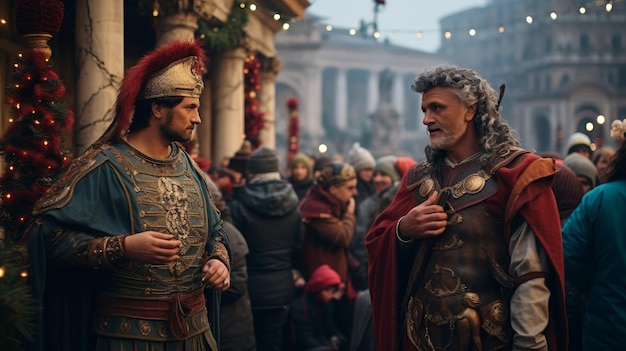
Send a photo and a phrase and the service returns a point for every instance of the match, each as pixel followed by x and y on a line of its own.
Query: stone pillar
pixel 372 92
pixel 100 56
pixel 341 110
pixel 311 107
pixel 270 67
pixel 398 96
pixel 227 85
pixel 203 131
pixel 180 25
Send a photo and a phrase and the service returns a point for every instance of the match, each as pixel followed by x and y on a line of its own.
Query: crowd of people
pixel 482 245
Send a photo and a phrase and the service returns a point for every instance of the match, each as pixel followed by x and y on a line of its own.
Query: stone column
pixel 372 92
pixel 180 25
pixel 227 83
pixel 270 67
pixel 398 96
pixel 203 131
pixel 100 56
pixel 341 110
pixel 311 107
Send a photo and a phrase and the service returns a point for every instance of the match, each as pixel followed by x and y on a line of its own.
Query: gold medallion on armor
pixel 473 184
pixel 426 187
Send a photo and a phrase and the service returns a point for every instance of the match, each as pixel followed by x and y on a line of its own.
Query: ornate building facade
pixel 563 63
pixel 98 40
pixel 351 87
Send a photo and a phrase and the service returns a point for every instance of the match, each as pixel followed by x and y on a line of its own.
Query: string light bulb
pixel 553 16
pixel 609 6
pixel 252 7
pixel 155 8
pixel 582 10
pixel 529 19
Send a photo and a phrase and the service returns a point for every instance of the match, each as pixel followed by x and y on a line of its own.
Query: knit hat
pixel 387 165
pixel 239 162
pixel 303 159
pixel 404 163
pixel 583 167
pixel 335 173
pixel 263 160
pixel 323 277
pixel 577 141
pixel 360 158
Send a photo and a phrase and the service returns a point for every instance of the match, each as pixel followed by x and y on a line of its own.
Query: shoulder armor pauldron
pixel 417 175
pixel 62 190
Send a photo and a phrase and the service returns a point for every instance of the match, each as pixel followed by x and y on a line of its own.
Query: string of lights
pixel 472 31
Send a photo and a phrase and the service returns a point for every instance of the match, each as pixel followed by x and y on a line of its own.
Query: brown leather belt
pixel 173 309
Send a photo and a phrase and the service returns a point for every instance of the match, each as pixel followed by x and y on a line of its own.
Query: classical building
pixel 351 87
pixel 99 39
pixel 563 63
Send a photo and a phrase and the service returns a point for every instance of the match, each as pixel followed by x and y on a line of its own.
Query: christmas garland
pixel 293 132
pixel 254 120
pixel 219 39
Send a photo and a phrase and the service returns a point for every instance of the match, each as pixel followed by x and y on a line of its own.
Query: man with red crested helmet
pixel 127 240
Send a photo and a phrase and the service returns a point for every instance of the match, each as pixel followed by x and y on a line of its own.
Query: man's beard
pixel 170 134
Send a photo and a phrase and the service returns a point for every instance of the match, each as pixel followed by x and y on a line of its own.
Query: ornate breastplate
pixel 457 300
pixel 169 200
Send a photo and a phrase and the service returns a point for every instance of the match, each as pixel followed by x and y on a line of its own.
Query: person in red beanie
pixel 311 315
pixel 128 242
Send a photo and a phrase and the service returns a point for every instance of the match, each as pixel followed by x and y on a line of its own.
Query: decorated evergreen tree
pixel 33 152
pixel 33 157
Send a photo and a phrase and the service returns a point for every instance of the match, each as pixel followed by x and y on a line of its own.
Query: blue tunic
pixel 110 191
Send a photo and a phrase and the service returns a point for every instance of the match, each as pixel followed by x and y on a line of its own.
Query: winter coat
pixel 267 215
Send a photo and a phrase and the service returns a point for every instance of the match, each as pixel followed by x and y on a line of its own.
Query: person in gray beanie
pixel 363 162
pixel 266 212
pixel 386 180
pixel 585 170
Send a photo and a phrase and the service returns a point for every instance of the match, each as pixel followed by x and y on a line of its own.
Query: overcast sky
pixel 398 20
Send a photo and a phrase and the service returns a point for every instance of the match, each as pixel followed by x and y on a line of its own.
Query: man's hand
pixel 216 275
pixel 424 220
pixel 152 247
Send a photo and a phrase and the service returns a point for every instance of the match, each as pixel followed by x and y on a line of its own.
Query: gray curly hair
pixel 495 136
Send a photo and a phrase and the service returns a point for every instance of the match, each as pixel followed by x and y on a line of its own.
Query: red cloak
pixel 525 189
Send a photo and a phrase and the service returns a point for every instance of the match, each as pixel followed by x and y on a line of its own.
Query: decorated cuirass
pixel 170 201
pixel 459 299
